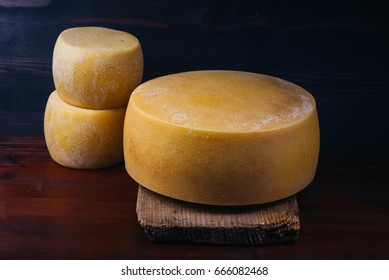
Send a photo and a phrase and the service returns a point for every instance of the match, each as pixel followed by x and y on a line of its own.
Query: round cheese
pixel 83 138
pixel 221 137
pixel 97 68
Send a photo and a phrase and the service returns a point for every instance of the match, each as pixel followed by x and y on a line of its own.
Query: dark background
pixel 337 50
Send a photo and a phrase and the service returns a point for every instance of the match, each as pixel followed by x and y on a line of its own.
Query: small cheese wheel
pixel 97 68
pixel 83 138
pixel 221 137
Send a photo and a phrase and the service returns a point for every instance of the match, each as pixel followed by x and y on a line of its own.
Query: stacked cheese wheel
pixel 95 70
pixel 221 137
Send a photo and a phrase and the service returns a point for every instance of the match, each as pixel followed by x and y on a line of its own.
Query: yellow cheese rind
pixel 97 68
pixel 183 139
pixel 83 138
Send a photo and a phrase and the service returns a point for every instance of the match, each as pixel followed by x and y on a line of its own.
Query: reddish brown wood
pixel 51 212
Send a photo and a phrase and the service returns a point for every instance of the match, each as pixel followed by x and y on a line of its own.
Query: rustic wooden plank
pixel 169 220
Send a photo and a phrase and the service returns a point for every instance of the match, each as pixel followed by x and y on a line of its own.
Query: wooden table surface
pixel 339 53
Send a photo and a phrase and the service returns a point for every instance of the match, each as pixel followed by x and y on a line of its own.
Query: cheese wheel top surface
pixel 221 137
pixel 223 101
pixel 97 68
pixel 99 39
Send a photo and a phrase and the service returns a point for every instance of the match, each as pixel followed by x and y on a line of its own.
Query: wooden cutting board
pixel 168 220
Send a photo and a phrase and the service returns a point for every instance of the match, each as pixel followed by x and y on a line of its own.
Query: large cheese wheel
pixel 221 137
pixel 83 138
pixel 97 68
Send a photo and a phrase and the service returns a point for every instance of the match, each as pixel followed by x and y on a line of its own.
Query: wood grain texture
pixel 52 212
pixel 169 220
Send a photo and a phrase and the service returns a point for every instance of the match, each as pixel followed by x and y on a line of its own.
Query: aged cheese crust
pixel 83 138
pixel 221 137
pixel 97 68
